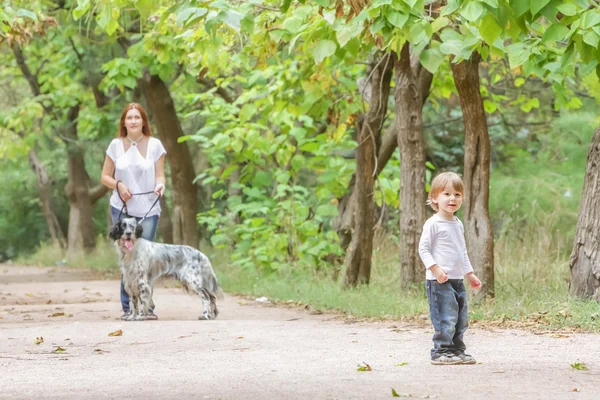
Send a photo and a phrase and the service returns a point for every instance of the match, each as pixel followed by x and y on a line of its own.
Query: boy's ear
pixel 138 231
pixel 116 231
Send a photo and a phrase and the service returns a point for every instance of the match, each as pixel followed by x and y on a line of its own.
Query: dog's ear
pixel 116 231
pixel 138 231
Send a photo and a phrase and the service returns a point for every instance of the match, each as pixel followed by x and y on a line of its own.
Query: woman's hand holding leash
pixel 123 191
pixel 159 190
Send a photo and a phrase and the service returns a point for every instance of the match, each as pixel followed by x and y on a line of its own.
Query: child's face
pixel 448 200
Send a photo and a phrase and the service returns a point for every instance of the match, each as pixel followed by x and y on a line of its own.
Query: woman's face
pixel 134 122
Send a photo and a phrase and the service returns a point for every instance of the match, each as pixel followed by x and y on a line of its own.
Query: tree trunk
pixel 160 103
pixel 81 234
pixel 344 224
pixel 358 258
pixel 165 226
pixel 478 228
pixel 409 121
pixel 585 258
pixel 43 182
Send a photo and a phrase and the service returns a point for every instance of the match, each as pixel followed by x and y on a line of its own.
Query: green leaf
pixel 247 111
pixel 285 5
pixel 537 5
pixel 579 366
pixel 555 33
pixel 491 3
pixel 472 11
pixel 397 19
pixel 567 9
pixel 450 7
pixel 26 13
pixel 323 49
pixel 431 59
pixel 489 29
pixel 144 7
pixel 82 7
pixel 111 26
pixel 590 19
pixel 489 106
pixel 519 7
pixel 591 38
pixel 439 23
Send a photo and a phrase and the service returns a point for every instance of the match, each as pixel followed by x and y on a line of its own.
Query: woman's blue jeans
pixel 449 315
pixel 149 226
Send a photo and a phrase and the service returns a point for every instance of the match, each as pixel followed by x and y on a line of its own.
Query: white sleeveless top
pixel 138 173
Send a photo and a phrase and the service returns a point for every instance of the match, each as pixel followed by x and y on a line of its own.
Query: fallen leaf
pixel 396 394
pixel 57 314
pixel 69 315
pixel 60 350
pixel 402 364
pixel 100 351
pixel 579 366
pixel 316 312
pixel 49 302
pixel 39 340
pixel 559 335
pixel 364 367
pixel 28 294
pixel 240 337
pixel 575 390
pixel 116 333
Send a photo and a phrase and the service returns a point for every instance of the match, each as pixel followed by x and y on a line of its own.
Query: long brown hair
pixel 122 131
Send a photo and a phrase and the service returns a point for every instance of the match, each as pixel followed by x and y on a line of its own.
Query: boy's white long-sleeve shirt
pixel 443 243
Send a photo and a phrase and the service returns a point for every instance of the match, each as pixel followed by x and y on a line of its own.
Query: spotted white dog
pixel 143 261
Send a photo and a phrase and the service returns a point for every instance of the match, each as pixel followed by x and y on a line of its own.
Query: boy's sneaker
pixel 466 358
pixel 447 359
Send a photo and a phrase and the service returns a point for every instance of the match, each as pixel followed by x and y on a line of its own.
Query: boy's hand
pixel 473 280
pixel 439 274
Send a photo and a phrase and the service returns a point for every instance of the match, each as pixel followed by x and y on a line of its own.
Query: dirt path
pixel 254 351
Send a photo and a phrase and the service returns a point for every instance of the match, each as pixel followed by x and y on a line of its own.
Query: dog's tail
pixel 215 288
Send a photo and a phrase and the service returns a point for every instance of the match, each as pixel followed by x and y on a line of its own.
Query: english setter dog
pixel 143 261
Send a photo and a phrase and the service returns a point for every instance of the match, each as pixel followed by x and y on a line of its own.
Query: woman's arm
pixel 107 179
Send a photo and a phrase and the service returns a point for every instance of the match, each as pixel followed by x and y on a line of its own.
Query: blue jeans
pixel 449 315
pixel 149 226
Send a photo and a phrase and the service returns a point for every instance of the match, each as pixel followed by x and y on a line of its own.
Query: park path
pixel 254 351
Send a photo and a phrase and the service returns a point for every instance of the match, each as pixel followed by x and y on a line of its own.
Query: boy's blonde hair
pixel 439 184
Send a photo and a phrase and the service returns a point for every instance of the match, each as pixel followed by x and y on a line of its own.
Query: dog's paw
pixel 206 317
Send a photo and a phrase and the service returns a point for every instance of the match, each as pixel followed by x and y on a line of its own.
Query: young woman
pixel 134 165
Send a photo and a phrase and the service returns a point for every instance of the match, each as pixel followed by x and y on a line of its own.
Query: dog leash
pixel 125 203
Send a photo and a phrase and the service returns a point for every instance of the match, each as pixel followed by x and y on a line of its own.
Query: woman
pixel 134 164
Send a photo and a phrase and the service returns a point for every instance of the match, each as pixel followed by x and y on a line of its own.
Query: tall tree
pixel 358 258
pixel 585 257
pixel 183 217
pixel 478 227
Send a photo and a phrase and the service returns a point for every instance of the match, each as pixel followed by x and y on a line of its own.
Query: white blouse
pixel 138 173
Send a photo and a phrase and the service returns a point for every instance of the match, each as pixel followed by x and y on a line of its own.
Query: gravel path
pixel 254 351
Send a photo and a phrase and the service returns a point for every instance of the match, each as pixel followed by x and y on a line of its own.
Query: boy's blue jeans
pixel 449 315
pixel 149 226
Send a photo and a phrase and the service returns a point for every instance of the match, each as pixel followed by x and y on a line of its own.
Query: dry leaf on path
pixel 28 294
pixel 364 367
pixel 60 350
pixel 559 335
pixel 116 333
pixel 402 364
pixel 575 390
pixel 39 340
pixel 57 314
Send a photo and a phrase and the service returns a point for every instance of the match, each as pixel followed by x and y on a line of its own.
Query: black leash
pixel 125 204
